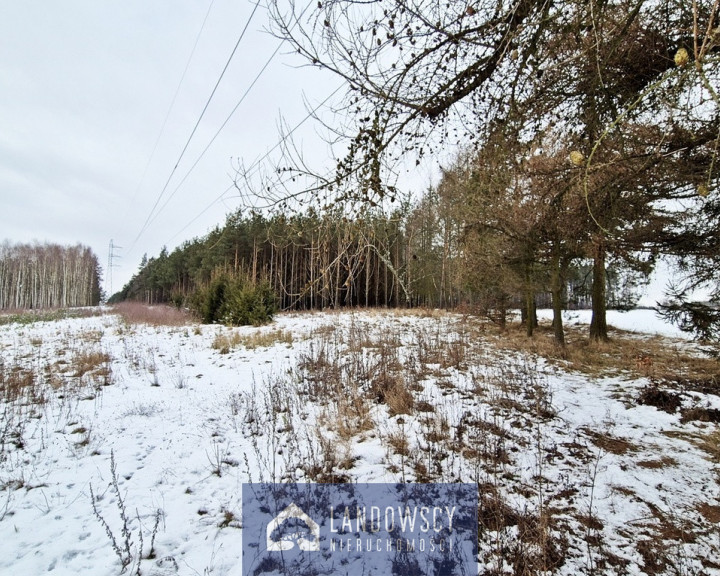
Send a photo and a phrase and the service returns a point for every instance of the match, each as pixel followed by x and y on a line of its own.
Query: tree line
pixel 308 260
pixel 38 276
pixel 416 255
pixel 589 132
pixel 588 136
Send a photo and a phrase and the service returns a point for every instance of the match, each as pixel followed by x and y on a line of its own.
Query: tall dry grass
pixel 159 315
pixel 654 357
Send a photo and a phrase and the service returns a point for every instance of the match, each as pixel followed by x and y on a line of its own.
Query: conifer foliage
pixel 419 255
pixel 234 302
pixel 305 261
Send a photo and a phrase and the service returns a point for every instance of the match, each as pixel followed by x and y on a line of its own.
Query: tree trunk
pixel 530 313
pixel 336 298
pixel 558 279
pixel 598 324
pixel 368 256
pixel 502 319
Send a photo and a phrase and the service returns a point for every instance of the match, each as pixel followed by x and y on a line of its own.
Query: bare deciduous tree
pixel 48 276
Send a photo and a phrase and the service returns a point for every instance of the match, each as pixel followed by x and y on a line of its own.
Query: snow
pixel 187 424
pixel 642 321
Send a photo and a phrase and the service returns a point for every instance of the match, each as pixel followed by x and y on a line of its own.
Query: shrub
pixel 177 299
pixel 233 302
pixel 249 305
pixel 213 300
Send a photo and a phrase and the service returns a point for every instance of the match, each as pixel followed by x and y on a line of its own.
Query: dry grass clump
pixel 710 443
pixel 494 513
pixel 88 366
pixel 224 342
pixel 399 442
pixel 390 389
pixel 21 393
pixel 328 462
pixel 321 372
pixel 96 362
pixel 536 549
pixel 437 348
pixel 160 315
pixel 347 412
pixel 19 384
pixel 399 399
pixel 353 415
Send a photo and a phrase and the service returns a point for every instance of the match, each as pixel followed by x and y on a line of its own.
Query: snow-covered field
pixel 643 321
pixel 575 476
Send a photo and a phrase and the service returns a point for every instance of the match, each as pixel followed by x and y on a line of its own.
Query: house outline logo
pixel 307 545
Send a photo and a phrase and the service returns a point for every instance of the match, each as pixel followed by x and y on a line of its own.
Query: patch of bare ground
pixel 609 443
pixel 710 512
pixel 654 357
pixel 657 463
pixel 700 414
pixel 664 400
pixel 672 527
pixel 663 397
pixel 704 385
pixel 710 443
pixel 660 538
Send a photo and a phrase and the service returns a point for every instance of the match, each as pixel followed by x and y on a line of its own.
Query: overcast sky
pixel 85 87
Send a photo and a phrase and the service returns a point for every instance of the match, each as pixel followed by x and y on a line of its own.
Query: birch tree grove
pixel 36 276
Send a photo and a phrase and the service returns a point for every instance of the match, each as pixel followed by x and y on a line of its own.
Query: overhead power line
pixel 197 123
pixel 152 218
pixel 242 98
pixel 172 105
pixel 257 162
